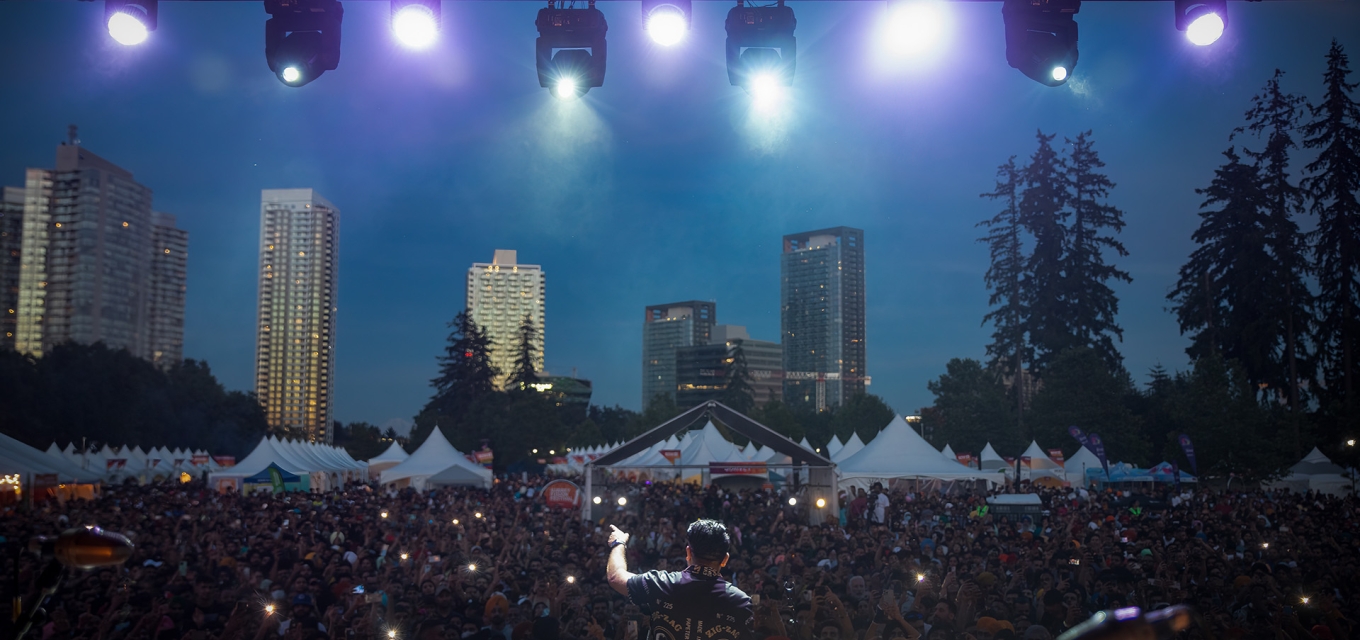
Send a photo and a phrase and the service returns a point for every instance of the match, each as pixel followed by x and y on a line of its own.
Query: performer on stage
pixel 694 604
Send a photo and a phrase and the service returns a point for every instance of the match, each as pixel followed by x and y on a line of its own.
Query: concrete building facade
pixel 85 254
pixel 665 328
pixel 701 371
pixel 169 285
pixel 296 319
pixel 821 319
pixel 500 295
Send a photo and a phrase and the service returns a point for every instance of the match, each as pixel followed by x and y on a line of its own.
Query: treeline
pixel 97 395
pixel 1272 312
pixel 471 411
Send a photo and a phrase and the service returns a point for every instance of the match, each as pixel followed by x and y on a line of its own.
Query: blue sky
pixel 663 185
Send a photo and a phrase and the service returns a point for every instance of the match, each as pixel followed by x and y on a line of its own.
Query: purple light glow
pixel 1205 30
pixel 1127 613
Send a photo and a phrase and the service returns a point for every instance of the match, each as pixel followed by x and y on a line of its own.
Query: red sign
pixel 198 460
pixel 225 461
pixel 965 459
pixel 483 457
pixel 671 455
pixel 559 460
pixel 1056 454
pixel 563 494
pixel 115 464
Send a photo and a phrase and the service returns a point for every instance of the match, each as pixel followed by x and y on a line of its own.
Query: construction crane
pixel 821 378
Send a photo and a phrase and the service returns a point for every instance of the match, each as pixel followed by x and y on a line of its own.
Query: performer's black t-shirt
pixel 694 604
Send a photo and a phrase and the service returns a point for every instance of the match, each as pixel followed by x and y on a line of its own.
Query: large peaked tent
pixel 1317 472
pixel 899 453
pixel 1040 465
pixel 851 447
pixel 437 463
pixel 1075 467
pixel 393 456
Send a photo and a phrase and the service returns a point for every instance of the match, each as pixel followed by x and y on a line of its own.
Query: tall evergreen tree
pixel 1332 185
pixel 737 391
pixel 1223 296
pixel 465 370
pixel 1272 116
pixel 1091 303
pixel 1009 351
pixel 1043 212
pixel 526 356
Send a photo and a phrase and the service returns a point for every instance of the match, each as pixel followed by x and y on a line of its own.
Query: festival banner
pixel 275 479
pixel 671 455
pixel 199 461
pixel 1056 455
pixel 562 494
pixel 115 464
pixel 1081 437
pixel 722 469
pixel 225 461
pixel 965 459
pixel 1098 448
pixel 559 460
pixel 484 457
pixel 1189 452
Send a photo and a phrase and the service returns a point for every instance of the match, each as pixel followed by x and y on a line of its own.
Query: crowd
pixel 363 564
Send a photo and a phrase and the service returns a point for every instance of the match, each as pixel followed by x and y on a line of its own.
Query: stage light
pixel 622 501
pixel 1202 21
pixel 667 20
pixel 821 503
pixel 760 42
pixel 1041 38
pixel 130 22
pixel 913 27
pixel 415 23
pixel 597 500
pixel 302 39
pixel 570 52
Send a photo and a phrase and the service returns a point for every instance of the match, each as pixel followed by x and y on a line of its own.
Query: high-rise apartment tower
pixel 822 316
pixel 500 295
pixel 666 327
pixel 169 277
pixel 295 331
pixel 86 253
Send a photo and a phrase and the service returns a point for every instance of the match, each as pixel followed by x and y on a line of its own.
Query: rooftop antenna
pixel 71 135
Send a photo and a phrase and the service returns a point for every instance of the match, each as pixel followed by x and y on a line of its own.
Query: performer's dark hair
pixel 708 540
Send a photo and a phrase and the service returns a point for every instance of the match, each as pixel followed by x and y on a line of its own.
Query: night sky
pixel 663 185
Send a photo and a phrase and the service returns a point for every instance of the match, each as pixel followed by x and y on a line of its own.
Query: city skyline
pixel 661 185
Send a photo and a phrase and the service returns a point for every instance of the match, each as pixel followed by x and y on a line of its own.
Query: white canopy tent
pixel 990 460
pixel 948 453
pixel 899 453
pixel 1040 465
pixel 436 463
pixel 851 447
pixel 1076 466
pixel 19 458
pixel 1317 472
pixel 834 447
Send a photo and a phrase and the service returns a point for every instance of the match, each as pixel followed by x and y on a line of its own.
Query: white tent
pixel 1040 465
pixel 266 454
pixel 19 458
pixel 990 460
pixel 948 453
pixel 1076 466
pixel 898 452
pixel 834 447
pixel 436 463
pixel 851 447
pixel 1316 472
